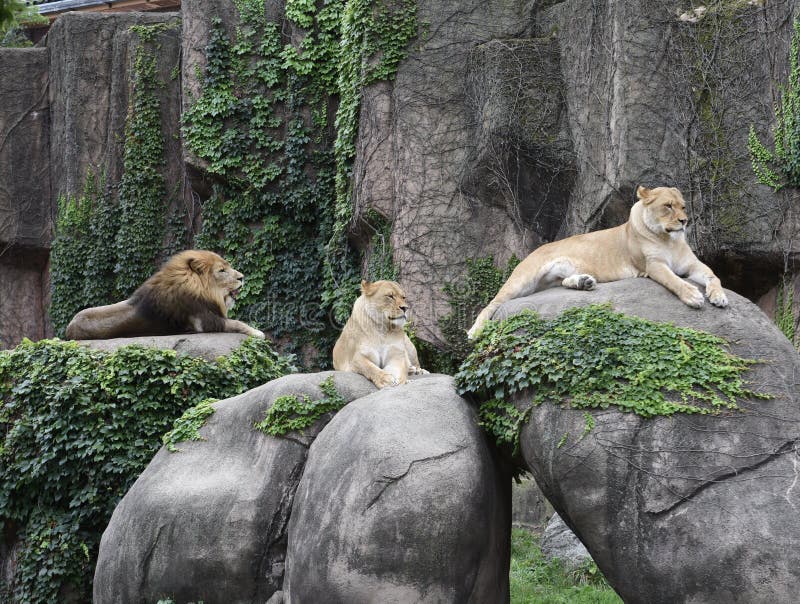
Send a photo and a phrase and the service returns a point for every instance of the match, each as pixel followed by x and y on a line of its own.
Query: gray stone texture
pixel 92 57
pixel 511 124
pixel 208 523
pixel 401 501
pixel 25 199
pixel 208 346
pixel 686 508
pixel 558 541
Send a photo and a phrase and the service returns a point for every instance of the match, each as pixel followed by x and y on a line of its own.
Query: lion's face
pixel 217 273
pixel 386 301
pixel 664 209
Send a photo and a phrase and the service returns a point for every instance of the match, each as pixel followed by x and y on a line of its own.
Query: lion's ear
pixel 644 194
pixel 367 288
pixel 196 264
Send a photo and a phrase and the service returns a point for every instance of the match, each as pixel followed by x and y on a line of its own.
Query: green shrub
pixel 295 413
pixel 595 358
pixel 79 426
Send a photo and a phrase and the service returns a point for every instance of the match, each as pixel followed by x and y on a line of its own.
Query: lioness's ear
pixel 367 288
pixel 644 195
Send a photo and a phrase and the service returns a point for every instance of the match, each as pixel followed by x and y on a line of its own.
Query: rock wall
pixel 25 214
pixel 508 125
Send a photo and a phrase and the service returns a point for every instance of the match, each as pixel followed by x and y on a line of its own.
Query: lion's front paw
pixel 412 370
pixel 717 297
pixel 384 379
pixel 691 296
pixel 257 333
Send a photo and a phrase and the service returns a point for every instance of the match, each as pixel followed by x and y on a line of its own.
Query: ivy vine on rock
pixel 79 426
pixel 595 358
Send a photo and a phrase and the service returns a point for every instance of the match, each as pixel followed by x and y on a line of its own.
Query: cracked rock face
pixel 401 497
pixel 208 523
pixel 688 508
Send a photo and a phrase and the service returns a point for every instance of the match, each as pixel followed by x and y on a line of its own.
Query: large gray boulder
pixel 208 523
pixel 698 509
pixel 401 501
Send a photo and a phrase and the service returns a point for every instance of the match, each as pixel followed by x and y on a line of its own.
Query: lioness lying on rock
pixel 651 244
pixel 191 293
pixel 373 342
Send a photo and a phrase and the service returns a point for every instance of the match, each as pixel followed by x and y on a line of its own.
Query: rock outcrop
pixel 208 346
pixel 401 497
pixel 685 508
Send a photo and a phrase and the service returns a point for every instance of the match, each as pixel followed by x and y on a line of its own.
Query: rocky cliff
pixel 503 126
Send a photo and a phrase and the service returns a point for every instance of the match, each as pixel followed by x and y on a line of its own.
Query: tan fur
pixel 373 342
pixel 191 293
pixel 651 244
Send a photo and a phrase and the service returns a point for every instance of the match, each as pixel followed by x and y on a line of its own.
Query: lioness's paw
pixel 691 296
pixel 384 379
pixel 257 333
pixel 473 331
pixel 412 370
pixel 584 282
pixel 717 297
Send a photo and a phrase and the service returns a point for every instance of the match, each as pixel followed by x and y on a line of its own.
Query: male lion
pixel 373 342
pixel 191 293
pixel 651 244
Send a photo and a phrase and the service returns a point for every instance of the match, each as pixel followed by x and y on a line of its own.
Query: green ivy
pixel 466 296
pixel 780 167
pixel 595 358
pixel 187 426
pixel 784 309
pixel 261 124
pixel 293 413
pixel 78 427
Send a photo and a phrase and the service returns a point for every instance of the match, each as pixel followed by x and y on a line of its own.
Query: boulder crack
pixel 386 481
pixel 787 447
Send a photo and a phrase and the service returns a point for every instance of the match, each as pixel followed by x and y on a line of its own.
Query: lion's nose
pixel 683 221
pixel 404 308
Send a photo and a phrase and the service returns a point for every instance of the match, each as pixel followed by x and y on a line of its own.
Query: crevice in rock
pixel 785 448
pixel 388 481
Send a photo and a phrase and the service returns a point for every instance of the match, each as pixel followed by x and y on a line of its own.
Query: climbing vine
pixel 780 167
pixel 78 427
pixel 262 124
pixel 595 358
pixel 295 413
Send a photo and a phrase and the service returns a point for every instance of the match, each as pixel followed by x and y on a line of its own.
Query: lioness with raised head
pixel 191 293
pixel 651 244
pixel 373 342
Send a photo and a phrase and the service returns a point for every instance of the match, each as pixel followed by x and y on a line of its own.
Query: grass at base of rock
pixel 535 580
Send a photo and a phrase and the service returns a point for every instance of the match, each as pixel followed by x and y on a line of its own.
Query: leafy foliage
pixel 293 413
pixel 262 125
pixel 784 310
pixel 595 358
pixel 187 426
pixel 780 167
pixel 79 426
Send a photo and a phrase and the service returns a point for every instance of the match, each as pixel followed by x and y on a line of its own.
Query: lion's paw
pixel 412 370
pixel 691 296
pixel 257 333
pixel 717 297
pixel 384 379
pixel 581 282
